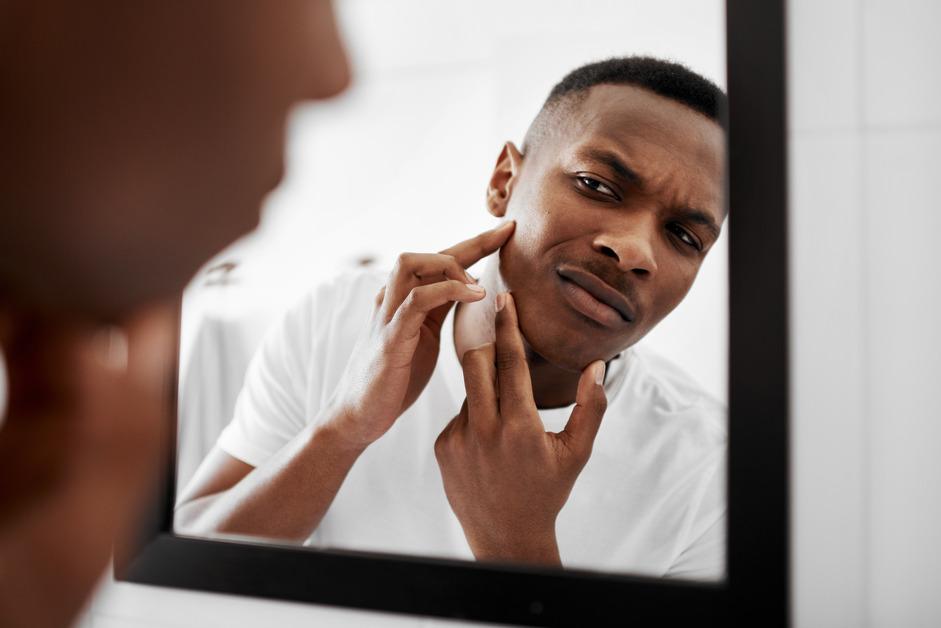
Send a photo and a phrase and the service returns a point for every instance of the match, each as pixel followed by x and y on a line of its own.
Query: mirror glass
pixel 295 364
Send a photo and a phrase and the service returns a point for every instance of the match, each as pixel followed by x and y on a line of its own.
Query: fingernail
pixel 475 287
pixel 600 368
pixel 469 277
pixel 501 301
pixel 111 348
pixel 479 347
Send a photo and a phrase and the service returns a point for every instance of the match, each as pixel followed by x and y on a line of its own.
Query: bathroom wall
pixel 865 157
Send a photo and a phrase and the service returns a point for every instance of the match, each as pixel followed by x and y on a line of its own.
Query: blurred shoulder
pixel 353 289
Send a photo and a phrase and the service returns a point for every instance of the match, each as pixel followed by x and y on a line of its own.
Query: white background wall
pixel 865 146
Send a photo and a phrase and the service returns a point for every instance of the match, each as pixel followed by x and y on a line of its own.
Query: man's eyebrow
pixel 613 161
pixel 700 217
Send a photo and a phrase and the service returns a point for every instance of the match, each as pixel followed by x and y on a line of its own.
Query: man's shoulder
pixel 334 309
pixel 670 393
pixel 352 288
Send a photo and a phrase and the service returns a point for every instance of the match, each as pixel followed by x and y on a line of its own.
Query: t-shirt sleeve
pixel 703 557
pixel 271 408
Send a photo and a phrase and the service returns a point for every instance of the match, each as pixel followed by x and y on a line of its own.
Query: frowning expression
pixel 616 208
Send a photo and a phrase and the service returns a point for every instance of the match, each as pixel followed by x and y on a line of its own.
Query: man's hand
pixel 506 478
pixel 395 358
pixel 80 452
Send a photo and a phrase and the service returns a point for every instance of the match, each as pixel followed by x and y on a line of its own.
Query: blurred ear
pixel 503 179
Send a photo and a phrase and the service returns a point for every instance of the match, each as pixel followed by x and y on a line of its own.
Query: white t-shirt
pixel 650 500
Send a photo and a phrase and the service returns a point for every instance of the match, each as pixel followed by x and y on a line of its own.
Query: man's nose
pixel 328 63
pixel 631 248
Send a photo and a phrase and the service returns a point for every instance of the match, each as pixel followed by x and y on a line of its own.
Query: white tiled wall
pixel 904 372
pixel 828 378
pixel 900 53
pixel 865 160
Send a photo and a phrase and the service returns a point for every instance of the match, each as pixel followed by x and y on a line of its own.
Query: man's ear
pixel 503 179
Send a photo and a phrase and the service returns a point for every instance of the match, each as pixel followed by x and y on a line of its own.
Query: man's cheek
pixel 534 232
pixel 667 300
pixel 510 262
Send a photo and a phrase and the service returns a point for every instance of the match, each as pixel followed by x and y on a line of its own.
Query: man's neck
pixel 474 325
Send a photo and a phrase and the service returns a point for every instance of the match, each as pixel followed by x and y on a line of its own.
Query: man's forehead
pixel 672 149
pixel 640 118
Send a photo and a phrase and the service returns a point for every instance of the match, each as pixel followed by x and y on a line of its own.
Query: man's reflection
pixel 345 433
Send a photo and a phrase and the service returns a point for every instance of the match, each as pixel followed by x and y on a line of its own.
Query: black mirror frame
pixel 756 589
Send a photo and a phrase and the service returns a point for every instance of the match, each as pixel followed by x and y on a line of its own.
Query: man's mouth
pixel 593 297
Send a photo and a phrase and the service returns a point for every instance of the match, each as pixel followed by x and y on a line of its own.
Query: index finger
pixel 515 385
pixel 471 251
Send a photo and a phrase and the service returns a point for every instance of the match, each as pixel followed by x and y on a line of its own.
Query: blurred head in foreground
pixel 139 138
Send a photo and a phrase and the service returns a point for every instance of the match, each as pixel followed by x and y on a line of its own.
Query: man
pixel 343 433
pixel 138 139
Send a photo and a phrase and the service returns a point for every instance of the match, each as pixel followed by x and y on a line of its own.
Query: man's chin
pixel 547 350
pixel 550 341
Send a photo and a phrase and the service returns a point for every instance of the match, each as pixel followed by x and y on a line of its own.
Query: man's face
pixel 616 208
pixel 140 137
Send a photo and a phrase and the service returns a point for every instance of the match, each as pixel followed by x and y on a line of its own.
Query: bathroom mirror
pixel 635 242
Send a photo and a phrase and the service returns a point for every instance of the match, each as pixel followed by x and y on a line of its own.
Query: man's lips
pixel 593 297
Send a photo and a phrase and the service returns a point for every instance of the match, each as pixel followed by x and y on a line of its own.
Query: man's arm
pixel 287 495
pixel 283 498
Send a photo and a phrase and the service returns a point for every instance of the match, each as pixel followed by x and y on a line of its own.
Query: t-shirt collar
pixel 450 369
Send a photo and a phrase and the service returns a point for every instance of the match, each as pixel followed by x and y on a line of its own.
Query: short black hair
pixel 666 78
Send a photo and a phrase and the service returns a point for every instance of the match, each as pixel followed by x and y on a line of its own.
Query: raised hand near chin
pixel 394 359
pixel 84 436
pixel 505 477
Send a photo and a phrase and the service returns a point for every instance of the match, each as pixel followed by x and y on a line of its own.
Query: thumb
pixel 152 340
pixel 590 405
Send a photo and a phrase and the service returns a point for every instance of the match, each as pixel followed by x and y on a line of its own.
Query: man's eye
pixel 595 185
pixel 684 235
